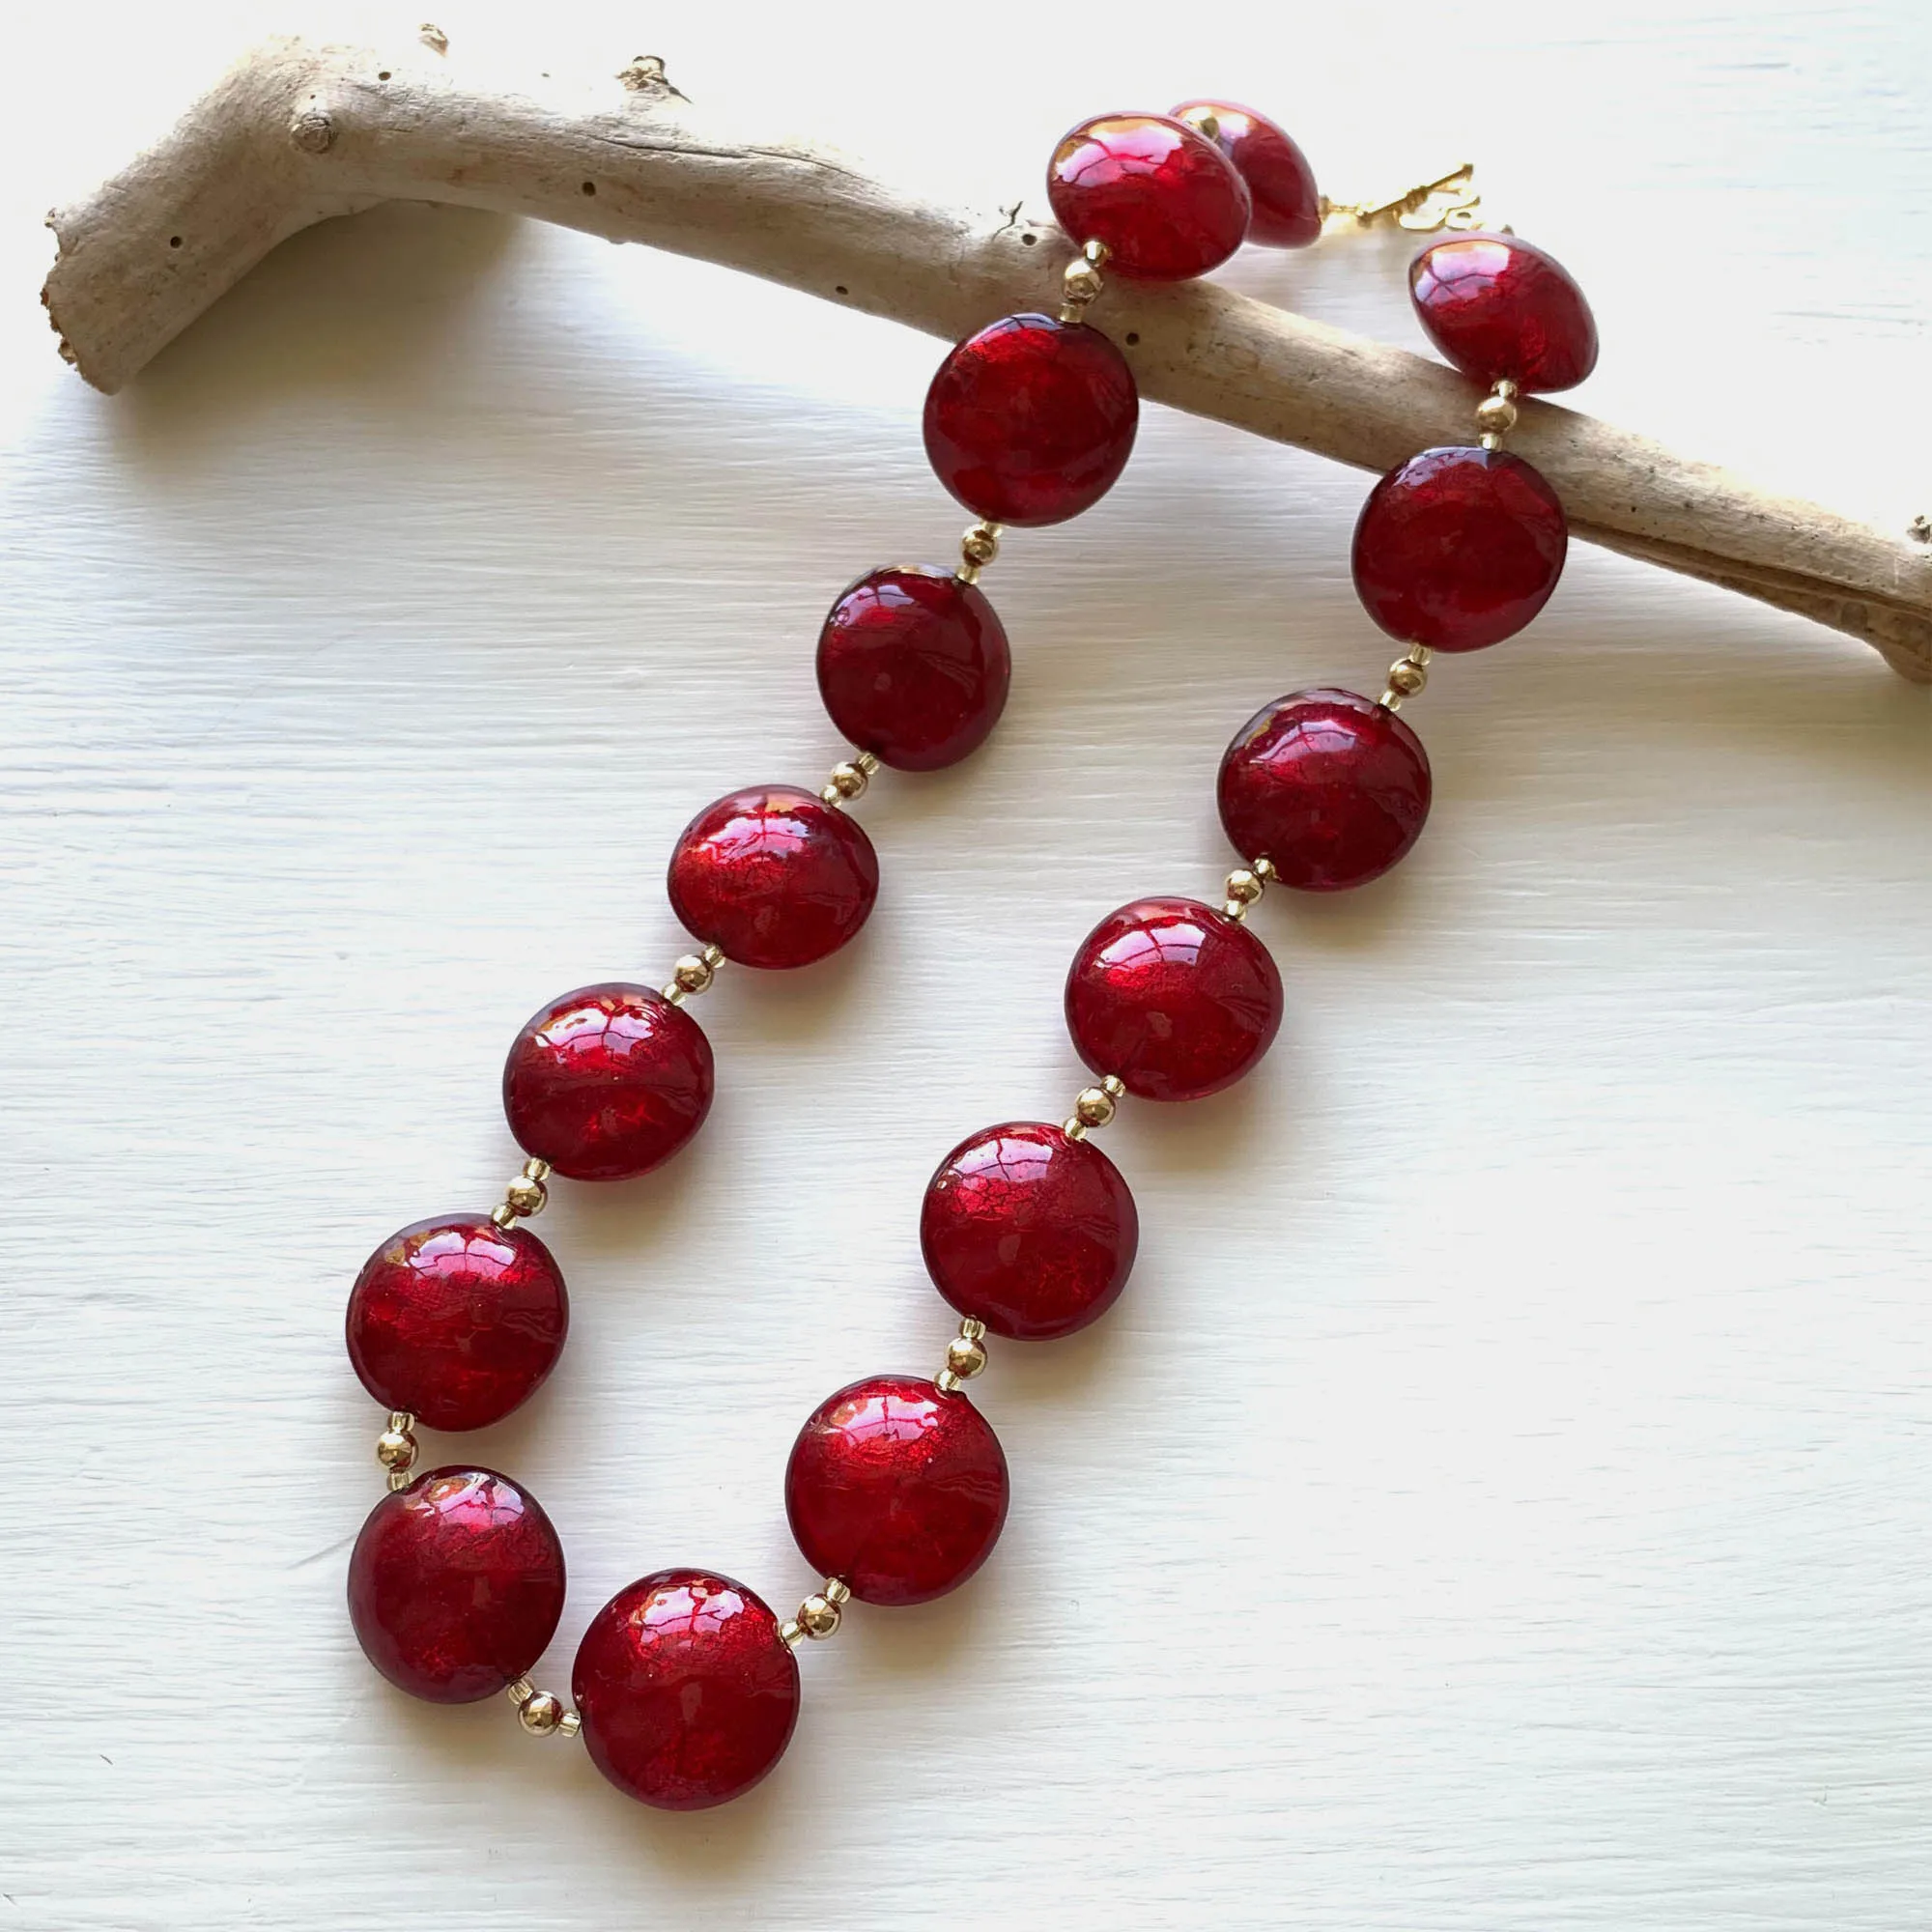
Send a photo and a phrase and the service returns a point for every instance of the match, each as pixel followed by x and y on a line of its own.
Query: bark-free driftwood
pixel 295 133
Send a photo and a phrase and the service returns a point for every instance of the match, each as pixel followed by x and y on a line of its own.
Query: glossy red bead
pixel 774 876
pixel 1032 420
pixel 898 1489
pixel 913 666
pixel 687 1693
pixel 457 1319
pixel 1496 306
pixel 1029 1231
pixel 456 1585
pixel 1167 202
pixel 1330 786
pixel 608 1082
pixel 1458 549
pixel 1176 998
pixel 1281 185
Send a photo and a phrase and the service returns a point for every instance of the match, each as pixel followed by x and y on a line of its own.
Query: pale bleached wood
pixel 295 133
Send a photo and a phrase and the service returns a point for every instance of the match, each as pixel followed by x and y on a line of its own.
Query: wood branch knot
pixel 645 74
pixel 312 131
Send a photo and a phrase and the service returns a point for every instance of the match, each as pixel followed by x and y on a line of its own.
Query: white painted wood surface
pixel 1502 1501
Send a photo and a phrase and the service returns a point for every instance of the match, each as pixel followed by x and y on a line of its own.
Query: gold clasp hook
pixel 1450 201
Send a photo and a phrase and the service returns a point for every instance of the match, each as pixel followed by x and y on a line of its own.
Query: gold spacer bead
pixel 399 1479
pixel 396 1450
pixel 965 1356
pixel 1095 252
pixel 1505 389
pixel 569 1724
pixel 836 1590
pixel 947 1382
pixel 1081 283
pixel 1113 1085
pixel 525 1196
pixel 673 992
pixel 1093 1107
pixel 819 1616
pixel 541 1714
pixel 791 1632
pixel 848 781
pixel 980 545
pixel 1490 440
pixel 974 1330
pixel 1406 676
pixel 1495 415
pixel 1265 870
pixel 521 1691
pixel 1244 885
pixel 693 975
pixel 1073 1127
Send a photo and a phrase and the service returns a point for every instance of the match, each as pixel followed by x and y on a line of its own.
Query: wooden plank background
pixel 1503 1500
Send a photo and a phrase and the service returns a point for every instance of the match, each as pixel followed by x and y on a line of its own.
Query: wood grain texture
pixel 1500 1502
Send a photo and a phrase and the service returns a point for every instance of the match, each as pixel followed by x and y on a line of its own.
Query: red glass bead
pixel 1032 420
pixel 1328 784
pixel 687 1693
pixel 456 1320
pixel 1286 203
pixel 1497 307
pixel 1176 999
pixel 914 666
pixel 1460 548
pixel 456 1585
pixel 772 876
pixel 1029 1231
pixel 1168 203
pixel 608 1082
pixel 898 1489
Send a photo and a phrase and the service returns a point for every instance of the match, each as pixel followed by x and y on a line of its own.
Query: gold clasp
pixel 1450 201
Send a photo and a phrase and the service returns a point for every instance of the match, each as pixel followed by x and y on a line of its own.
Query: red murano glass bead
pixel 900 1489
pixel 608 1082
pixel 1168 203
pixel 1032 420
pixel 772 876
pixel 1330 786
pixel 1286 203
pixel 456 1585
pixel 1029 1231
pixel 913 666
pixel 1176 999
pixel 456 1320
pixel 687 1693
pixel 1458 549
pixel 1497 307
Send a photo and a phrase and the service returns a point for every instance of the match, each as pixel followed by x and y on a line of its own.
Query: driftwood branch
pixel 295 133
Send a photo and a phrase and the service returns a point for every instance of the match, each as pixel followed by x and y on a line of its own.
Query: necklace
pixel 686 1687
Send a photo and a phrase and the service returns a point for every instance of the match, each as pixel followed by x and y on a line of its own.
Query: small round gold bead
pixel 947 1382
pixel 396 1449
pixel 1081 282
pixel 1265 870
pixel 1092 1107
pixel 1096 252
pixel 980 545
pixel 1495 415
pixel 1243 886
pixel 836 1590
pixel 692 974
pixel 1113 1085
pixel 541 1712
pixel 791 1632
pixel 525 1196
pixel 848 781
pixel 1407 677
pixel 965 1356
pixel 819 1616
